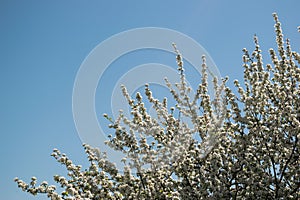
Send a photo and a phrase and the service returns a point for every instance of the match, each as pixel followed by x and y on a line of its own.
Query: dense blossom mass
pixel 238 144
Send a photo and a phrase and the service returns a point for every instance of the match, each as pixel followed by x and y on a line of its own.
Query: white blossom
pixel 241 144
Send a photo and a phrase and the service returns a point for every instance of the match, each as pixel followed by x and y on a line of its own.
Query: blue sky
pixel 43 44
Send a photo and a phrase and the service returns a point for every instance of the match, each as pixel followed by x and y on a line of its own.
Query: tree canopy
pixel 242 143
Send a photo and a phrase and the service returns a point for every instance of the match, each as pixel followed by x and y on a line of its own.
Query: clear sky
pixel 43 44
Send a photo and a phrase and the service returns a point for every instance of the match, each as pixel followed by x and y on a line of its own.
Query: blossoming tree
pixel 237 145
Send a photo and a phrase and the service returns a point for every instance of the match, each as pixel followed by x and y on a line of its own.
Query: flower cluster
pixel 237 145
